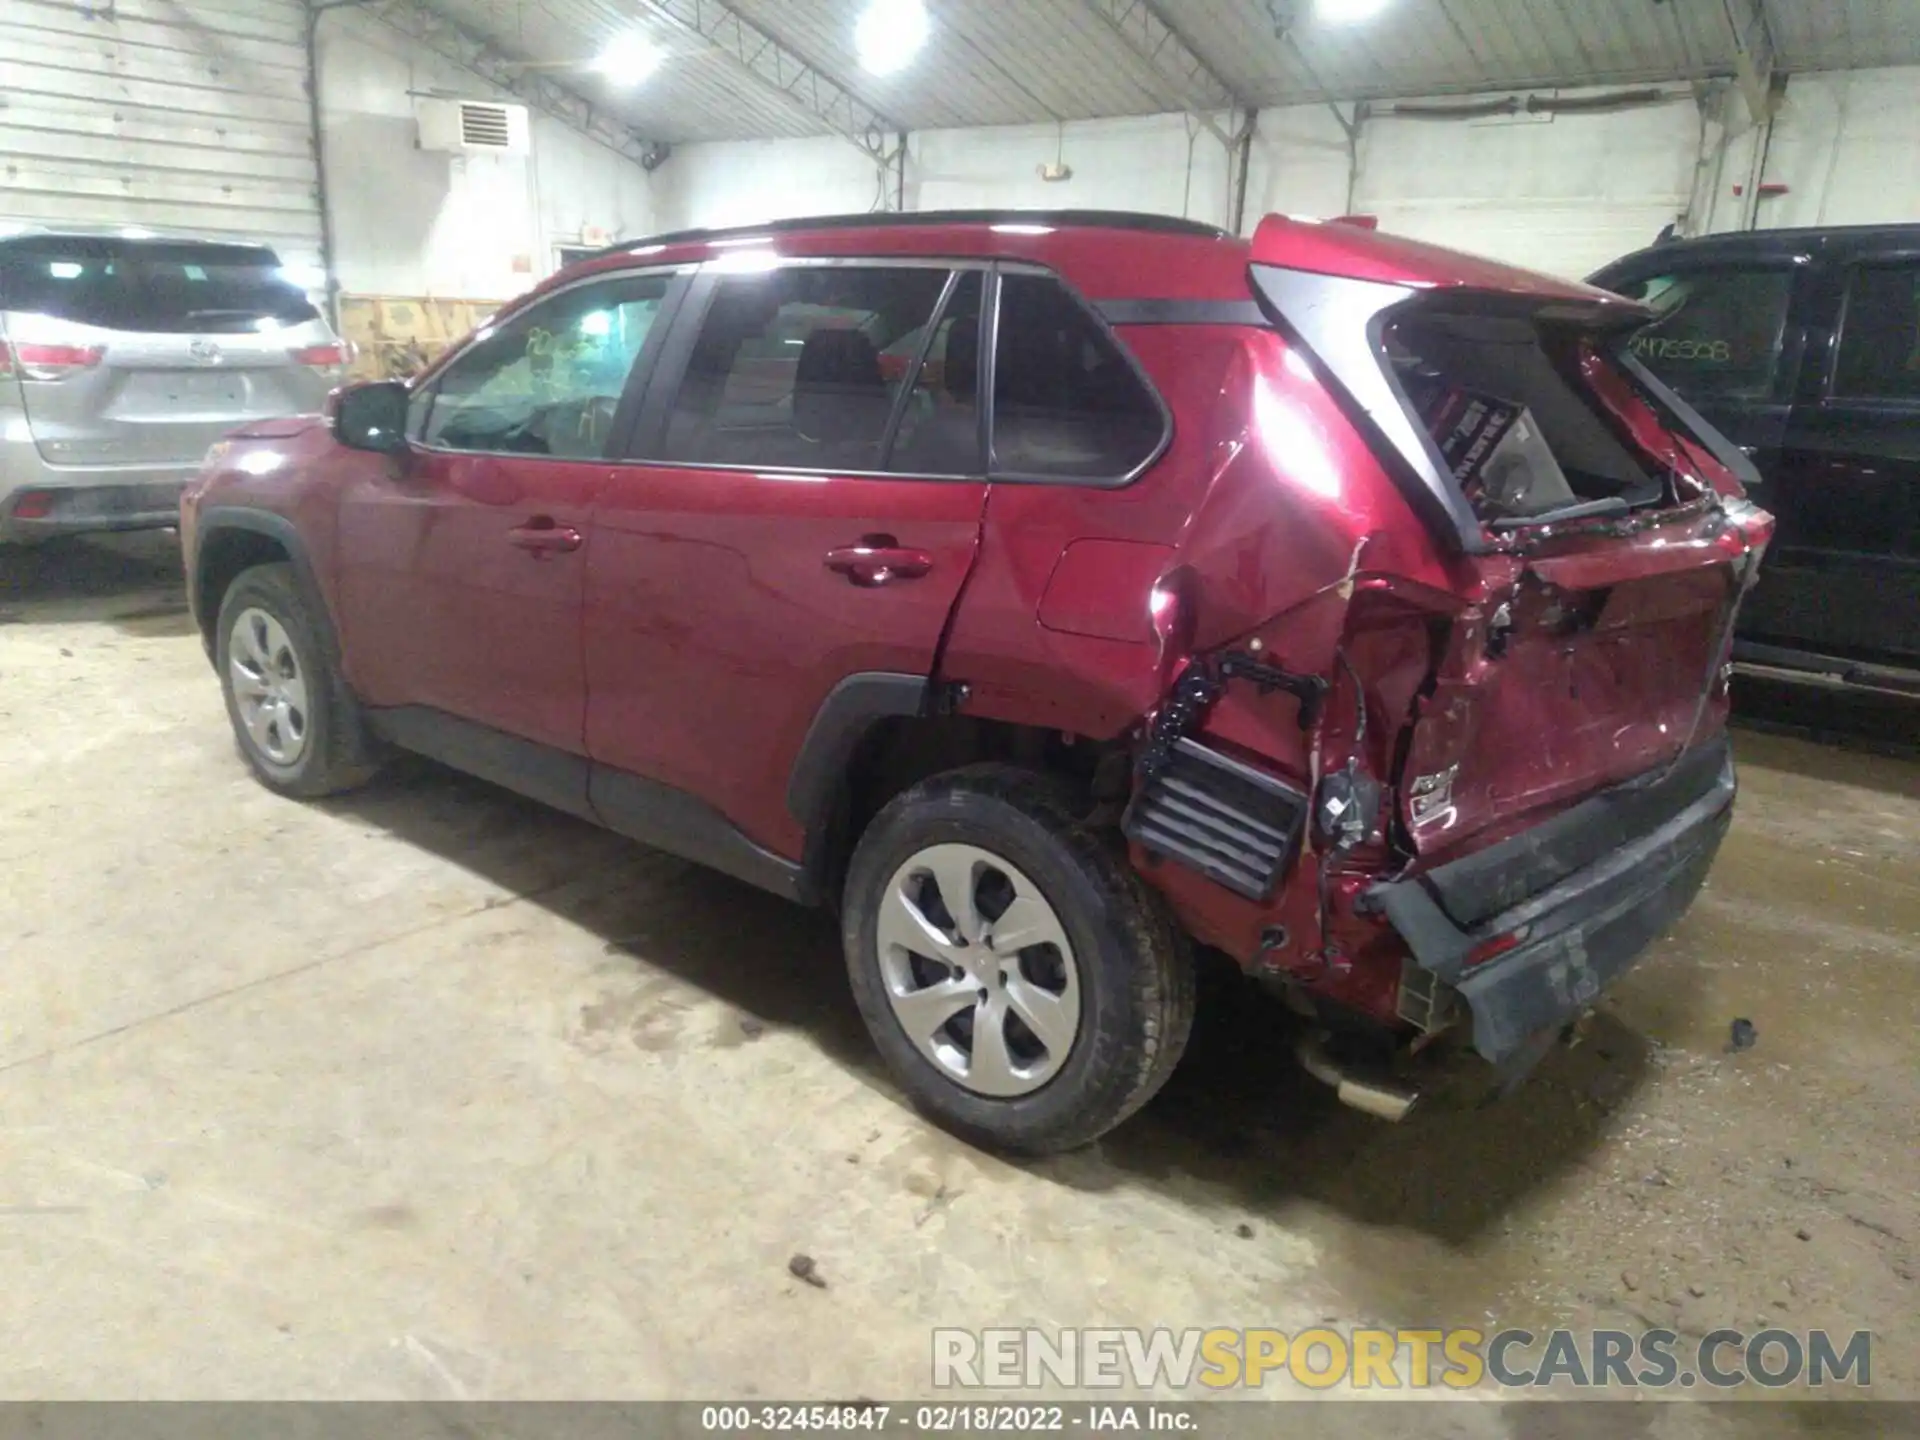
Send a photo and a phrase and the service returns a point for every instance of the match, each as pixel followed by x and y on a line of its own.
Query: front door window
pixel 548 381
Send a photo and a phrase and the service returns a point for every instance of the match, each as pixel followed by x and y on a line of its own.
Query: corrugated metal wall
pixel 174 115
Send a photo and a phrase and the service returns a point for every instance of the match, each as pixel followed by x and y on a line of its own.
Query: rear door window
pixel 1067 403
pixel 802 367
pixel 1880 339
pixel 939 430
pixel 1716 334
pixel 167 287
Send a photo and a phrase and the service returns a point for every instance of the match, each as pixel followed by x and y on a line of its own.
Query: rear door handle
pixel 879 560
pixel 543 537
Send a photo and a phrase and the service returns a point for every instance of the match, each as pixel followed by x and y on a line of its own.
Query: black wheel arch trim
pixel 851 709
pixel 283 532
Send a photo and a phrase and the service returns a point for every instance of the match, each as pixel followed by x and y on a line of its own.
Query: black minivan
pixel 1803 347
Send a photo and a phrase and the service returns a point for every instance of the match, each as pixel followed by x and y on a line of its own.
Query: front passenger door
pixel 462 567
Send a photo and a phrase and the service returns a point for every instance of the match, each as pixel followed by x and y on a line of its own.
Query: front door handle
pixel 543 537
pixel 878 560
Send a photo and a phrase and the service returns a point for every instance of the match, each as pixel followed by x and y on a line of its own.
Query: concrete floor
pixel 429 1092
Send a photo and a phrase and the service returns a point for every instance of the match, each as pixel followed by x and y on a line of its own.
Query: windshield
pixel 151 286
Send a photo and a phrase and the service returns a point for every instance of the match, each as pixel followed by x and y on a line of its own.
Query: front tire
pixel 1024 986
pixel 293 718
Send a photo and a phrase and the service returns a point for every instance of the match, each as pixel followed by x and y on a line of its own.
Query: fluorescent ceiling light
pixel 628 59
pixel 889 33
pixel 1347 12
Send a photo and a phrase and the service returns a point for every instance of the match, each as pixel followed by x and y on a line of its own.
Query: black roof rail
pixel 888 219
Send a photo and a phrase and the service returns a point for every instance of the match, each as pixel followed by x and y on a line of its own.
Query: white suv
pixel 123 358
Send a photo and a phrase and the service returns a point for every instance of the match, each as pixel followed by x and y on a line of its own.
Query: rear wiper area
pixel 1581 510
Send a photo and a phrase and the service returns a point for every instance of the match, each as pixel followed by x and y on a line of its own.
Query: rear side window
pixel 1880 342
pixel 1716 333
pixel 801 367
pixel 1067 404
pixel 151 286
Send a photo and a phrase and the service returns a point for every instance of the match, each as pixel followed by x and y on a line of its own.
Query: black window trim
pixel 1830 393
pixel 649 429
pixel 631 393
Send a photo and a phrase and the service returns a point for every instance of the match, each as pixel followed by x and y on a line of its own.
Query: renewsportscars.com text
pixel 1380 1359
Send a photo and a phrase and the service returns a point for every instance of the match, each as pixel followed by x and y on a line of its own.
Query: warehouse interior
pixel 430 1092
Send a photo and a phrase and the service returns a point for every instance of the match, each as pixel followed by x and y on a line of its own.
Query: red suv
pixel 1048 593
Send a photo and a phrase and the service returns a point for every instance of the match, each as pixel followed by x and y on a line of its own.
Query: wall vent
pixel 473 127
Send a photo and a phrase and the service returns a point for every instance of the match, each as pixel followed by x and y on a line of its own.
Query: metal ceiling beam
pixel 806 88
pixel 447 38
pixel 1149 36
pixel 1202 91
pixel 1753 54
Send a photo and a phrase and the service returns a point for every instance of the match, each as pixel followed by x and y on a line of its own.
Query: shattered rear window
pixel 1502 400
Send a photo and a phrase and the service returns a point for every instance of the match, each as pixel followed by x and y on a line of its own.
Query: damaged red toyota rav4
pixel 1049 594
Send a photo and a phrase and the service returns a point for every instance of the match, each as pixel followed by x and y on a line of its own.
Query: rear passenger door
pixel 800 502
pixel 1847 551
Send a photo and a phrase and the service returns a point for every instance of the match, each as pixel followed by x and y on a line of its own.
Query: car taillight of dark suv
pixel 1050 593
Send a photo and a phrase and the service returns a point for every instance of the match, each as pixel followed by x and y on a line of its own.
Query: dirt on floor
pixel 428 1092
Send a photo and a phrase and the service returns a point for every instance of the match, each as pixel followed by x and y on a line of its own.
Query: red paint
pixel 714 626
pixel 1104 589
pixel 686 623
pixel 440 602
pixel 1363 255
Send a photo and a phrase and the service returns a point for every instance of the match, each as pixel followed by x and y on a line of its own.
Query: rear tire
pixel 295 722
pixel 1032 1048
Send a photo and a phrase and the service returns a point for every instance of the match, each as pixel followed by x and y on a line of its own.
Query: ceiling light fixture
pixel 1347 12
pixel 889 33
pixel 628 59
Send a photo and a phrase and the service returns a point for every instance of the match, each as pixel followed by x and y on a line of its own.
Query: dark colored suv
pixel 1803 346
pixel 1048 593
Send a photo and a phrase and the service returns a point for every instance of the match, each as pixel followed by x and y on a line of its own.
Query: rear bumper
pixel 72 500
pixel 1589 891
